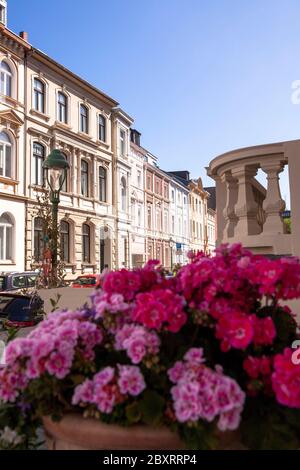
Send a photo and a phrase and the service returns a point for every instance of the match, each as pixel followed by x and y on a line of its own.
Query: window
pixel 65 241
pixel 38 242
pixel 102 128
pixel 166 225
pixel 122 143
pixel 173 195
pixel 65 183
pixel 62 107
pixel 38 157
pixel 149 218
pixel 139 178
pixel 123 194
pixel 139 216
pixel 5 155
pixel 157 187
pixel 39 95
pixel 86 243
pixel 173 224
pixel 149 182
pixel 102 184
pixel 84 178
pixel 84 120
pixel 5 79
pixel 19 282
pixel 6 234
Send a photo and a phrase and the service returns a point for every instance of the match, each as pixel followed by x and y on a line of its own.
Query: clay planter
pixel 74 432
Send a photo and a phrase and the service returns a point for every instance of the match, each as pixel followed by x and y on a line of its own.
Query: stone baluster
pixel 273 204
pixel 246 208
pixel 231 199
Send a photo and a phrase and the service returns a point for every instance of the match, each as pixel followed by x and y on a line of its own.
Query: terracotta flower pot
pixel 74 432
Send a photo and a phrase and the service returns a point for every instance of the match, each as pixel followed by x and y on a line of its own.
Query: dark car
pixel 20 311
pixel 86 281
pixel 12 281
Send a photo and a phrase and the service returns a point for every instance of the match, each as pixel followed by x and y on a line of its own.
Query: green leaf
pixel 133 413
pixel 151 407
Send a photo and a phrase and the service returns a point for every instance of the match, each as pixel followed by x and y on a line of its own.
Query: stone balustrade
pixel 249 213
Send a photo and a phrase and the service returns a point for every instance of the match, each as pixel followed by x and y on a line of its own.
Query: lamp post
pixel 171 241
pixel 55 166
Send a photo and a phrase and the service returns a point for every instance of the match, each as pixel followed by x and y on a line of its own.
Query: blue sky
pixel 199 77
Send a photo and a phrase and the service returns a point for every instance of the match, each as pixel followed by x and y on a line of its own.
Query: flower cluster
pixel 137 341
pixel 202 393
pixel 159 309
pixel 110 387
pixel 50 349
pixel 286 379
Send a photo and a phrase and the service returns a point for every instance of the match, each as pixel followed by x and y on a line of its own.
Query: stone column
pixel 273 204
pixel 221 201
pixel 246 208
pixel 231 199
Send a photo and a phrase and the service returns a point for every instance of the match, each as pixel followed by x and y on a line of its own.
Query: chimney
pixel 24 35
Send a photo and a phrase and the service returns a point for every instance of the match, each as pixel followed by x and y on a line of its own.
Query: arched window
pixel 38 158
pixel 102 128
pixel 5 79
pixel 38 239
pixel 65 241
pixel 86 243
pixel 62 107
pixel 123 194
pixel 84 119
pixel 84 178
pixel 6 167
pixel 102 184
pixel 6 237
pixel 38 95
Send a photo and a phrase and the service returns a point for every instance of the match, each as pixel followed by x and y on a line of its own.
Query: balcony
pixel 249 213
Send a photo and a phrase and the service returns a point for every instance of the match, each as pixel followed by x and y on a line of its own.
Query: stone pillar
pixel 292 153
pixel 220 201
pixel 273 204
pixel 246 208
pixel 231 199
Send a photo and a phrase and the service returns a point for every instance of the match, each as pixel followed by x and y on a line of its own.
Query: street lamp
pixel 171 242
pixel 55 166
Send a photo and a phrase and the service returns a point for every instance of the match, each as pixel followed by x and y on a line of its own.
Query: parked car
pixel 20 311
pixel 86 281
pixel 12 281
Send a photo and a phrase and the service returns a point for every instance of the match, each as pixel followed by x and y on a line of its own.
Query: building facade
pixel 157 209
pixel 179 217
pixel 138 235
pixel 117 208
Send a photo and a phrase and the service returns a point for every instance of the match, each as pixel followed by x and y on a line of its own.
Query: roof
pixel 211 202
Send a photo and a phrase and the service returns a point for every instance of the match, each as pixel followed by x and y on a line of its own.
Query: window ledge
pixel 102 142
pixel 10 100
pixel 85 135
pixel 62 125
pixel 39 114
pixel 7 180
pixel 7 263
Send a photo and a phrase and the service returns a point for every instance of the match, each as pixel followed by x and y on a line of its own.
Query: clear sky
pixel 200 77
